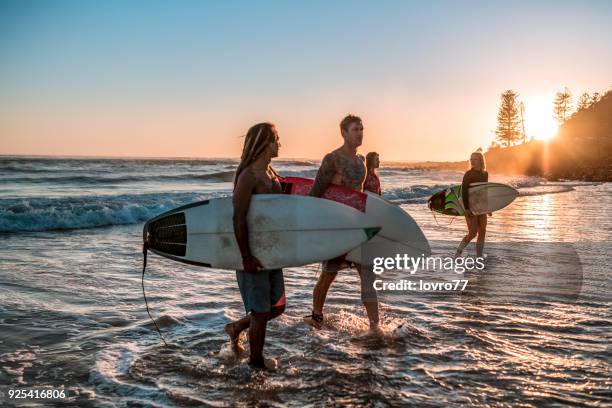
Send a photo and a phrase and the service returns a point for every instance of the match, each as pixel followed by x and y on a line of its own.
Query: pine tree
pixel 508 130
pixel 562 105
pixel 584 101
pixel 523 134
pixel 595 98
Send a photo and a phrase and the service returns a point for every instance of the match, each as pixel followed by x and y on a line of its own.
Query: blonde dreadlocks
pixel 257 139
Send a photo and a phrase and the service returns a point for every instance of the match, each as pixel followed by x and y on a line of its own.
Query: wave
pixel 413 194
pixel 575 183
pixel 543 190
pixel 49 214
pixel 26 169
pixel 65 213
pixel 415 169
pixel 96 179
pixel 311 173
pixel 19 163
pixel 527 187
pixel 400 170
pixel 527 182
pixel 294 163
pixel 534 186
pixel 218 176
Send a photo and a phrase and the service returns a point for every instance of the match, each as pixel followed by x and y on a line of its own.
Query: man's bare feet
pixel 234 336
pixel 309 321
pixel 314 320
pixel 270 364
pixel 375 330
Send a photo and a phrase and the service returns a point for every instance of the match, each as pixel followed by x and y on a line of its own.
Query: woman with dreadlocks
pixel 262 291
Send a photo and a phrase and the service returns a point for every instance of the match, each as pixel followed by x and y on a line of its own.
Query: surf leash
pixel 145 249
pixel 436 219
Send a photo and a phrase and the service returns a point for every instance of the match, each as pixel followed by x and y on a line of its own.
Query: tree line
pixel 510 117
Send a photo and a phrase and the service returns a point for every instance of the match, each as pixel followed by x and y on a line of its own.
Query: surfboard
pixel 399 234
pixel 484 198
pixel 284 231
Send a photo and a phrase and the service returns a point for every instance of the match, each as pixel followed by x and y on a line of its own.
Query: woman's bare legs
pixel 472 224
pixel 481 232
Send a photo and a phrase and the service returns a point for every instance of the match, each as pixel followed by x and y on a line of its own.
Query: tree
pixel 562 105
pixel 523 134
pixel 584 101
pixel 595 98
pixel 508 119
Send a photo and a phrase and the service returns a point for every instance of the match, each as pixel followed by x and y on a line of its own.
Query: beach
pixel 532 329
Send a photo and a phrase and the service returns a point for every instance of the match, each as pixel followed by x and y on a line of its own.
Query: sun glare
pixel 539 121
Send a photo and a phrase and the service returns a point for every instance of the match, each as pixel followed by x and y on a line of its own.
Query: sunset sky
pixel 187 78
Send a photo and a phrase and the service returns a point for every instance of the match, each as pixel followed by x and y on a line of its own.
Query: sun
pixel 539 121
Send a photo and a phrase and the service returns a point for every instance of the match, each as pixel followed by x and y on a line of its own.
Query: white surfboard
pixel 485 197
pixel 489 197
pixel 284 231
pixel 400 234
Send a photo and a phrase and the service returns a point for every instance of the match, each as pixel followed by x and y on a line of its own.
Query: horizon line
pixel 35 156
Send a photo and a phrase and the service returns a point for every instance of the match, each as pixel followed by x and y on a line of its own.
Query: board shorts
pixel 367 276
pixel 261 290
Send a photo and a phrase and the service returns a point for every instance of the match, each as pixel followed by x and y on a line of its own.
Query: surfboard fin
pixel 370 232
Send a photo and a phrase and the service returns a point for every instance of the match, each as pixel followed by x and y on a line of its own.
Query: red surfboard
pixel 340 194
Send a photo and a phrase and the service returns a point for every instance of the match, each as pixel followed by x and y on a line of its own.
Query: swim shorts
pixel 261 290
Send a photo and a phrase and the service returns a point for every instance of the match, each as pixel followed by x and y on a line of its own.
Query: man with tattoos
pixel 345 167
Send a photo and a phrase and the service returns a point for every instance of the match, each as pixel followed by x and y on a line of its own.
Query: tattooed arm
pixel 325 176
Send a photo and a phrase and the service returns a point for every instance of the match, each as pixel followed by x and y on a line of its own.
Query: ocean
pixel 532 329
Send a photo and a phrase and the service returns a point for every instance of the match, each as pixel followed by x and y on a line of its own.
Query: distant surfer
pixel 372 182
pixel 477 224
pixel 262 290
pixel 345 167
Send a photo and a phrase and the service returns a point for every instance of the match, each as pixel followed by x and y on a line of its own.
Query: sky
pixel 188 78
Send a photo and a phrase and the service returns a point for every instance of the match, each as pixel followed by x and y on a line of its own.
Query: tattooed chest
pixel 351 172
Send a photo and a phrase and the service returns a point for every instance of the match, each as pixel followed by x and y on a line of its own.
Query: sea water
pixel 533 327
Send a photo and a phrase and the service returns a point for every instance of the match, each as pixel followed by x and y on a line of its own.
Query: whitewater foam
pixel 46 214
